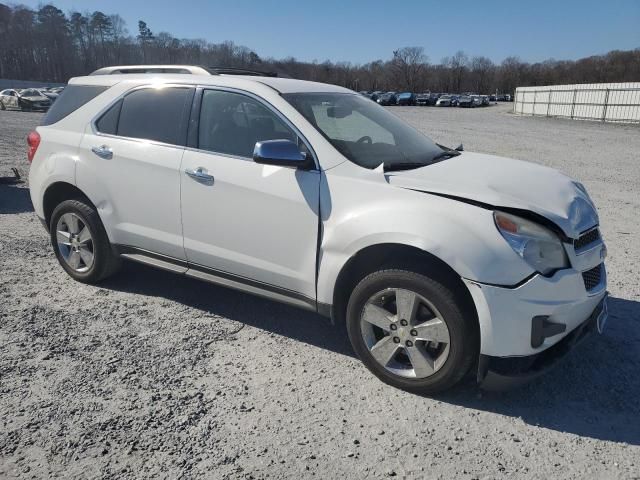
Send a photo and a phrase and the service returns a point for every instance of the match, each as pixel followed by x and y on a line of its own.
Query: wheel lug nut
pixel 396 339
pixel 393 326
pixel 414 333
pixel 409 343
pixel 403 322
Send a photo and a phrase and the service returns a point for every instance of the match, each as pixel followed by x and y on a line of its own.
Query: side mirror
pixel 284 153
pixel 460 148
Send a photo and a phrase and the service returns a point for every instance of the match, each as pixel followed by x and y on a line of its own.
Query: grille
pixel 586 239
pixel 592 277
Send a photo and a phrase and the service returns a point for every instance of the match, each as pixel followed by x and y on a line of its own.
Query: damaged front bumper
pixel 526 328
pixel 502 373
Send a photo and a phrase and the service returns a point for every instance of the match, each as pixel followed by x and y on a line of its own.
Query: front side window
pixel 366 133
pixel 232 123
pixel 157 114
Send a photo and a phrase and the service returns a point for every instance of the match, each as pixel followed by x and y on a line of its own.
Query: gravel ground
pixel 150 374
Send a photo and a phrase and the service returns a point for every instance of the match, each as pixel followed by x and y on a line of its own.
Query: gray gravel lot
pixel 151 374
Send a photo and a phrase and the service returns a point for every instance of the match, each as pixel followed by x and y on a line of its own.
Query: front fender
pixel 370 213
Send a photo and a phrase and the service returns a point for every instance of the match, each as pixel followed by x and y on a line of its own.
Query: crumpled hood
pixel 507 183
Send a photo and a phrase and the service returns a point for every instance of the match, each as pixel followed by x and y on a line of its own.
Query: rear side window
pixel 158 114
pixel 108 122
pixel 71 99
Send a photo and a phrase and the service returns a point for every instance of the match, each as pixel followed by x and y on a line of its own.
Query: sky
pixel 362 31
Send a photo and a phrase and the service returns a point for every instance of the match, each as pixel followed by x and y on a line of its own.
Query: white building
pixel 607 102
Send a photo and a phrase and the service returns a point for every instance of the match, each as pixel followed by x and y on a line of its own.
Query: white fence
pixel 605 102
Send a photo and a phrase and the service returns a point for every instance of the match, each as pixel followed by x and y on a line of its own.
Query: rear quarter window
pixel 72 98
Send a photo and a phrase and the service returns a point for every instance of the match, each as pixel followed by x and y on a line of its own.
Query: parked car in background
pixel 406 98
pixel 492 97
pixel 438 261
pixel 50 94
pixel 444 101
pixel 476 100
pixel 422 98
pixel 375 95
pixel 387 99
pixel 27 99
pixel 465 101
pixel 33 99
pixel 8 99
pixel 455 100
pixel 485 100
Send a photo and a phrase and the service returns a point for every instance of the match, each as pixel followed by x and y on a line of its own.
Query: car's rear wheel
pixel 411 331
pixel 81 243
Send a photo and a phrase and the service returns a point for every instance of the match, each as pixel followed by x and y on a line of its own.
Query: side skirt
pixel 218 277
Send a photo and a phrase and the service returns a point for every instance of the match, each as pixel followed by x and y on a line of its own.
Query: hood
pixel 506 183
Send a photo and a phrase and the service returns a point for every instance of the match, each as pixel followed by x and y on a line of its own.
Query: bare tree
pixel 408 65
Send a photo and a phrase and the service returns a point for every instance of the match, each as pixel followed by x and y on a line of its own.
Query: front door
pixel 256 224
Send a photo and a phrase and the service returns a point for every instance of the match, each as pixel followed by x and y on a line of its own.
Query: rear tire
pixel 450 351
pixel 86 255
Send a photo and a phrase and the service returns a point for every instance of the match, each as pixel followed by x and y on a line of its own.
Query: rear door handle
pixel 201 175
pixel 103 151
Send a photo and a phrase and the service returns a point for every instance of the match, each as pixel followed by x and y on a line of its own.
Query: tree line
pixel 48 45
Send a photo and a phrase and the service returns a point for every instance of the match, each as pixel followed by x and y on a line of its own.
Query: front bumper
pixel 501 373
pixel 506 315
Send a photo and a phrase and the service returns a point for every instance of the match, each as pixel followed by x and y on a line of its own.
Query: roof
pixel 282 85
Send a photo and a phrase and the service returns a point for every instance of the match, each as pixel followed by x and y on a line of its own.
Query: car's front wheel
pixel 81 243
pixel 411 331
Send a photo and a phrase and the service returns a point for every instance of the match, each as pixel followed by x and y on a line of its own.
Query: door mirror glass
pixel 284 153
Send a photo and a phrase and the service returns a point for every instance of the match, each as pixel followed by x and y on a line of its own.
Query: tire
pixel 463 331
pixel 105 262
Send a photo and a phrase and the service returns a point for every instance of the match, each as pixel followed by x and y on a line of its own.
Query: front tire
pixel 411 331
pixel 80 242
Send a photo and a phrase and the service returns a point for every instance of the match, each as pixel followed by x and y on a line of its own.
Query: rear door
pixel 250 223
pixel 129 162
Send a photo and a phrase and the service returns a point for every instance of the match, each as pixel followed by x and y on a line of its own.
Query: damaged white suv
pixel 440 262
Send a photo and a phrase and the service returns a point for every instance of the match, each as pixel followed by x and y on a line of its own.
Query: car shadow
pixel 592 393
pixel 275 317
pixel 14 199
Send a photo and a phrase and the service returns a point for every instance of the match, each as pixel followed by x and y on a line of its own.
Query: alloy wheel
pixel 75 242
pixel 405 333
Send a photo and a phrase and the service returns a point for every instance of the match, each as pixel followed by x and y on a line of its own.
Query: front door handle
pixel 103 151
pixel 201 175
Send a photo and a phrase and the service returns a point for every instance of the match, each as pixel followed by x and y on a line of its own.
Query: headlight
pixel 537 245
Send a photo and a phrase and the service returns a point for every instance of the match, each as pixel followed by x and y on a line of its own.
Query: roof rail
pixel 239 71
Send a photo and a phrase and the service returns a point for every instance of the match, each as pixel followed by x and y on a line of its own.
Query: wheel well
pixel 392 255
pixel 57 193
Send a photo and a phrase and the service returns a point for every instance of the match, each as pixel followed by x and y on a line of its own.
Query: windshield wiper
pixel 404 166
pixel 446 154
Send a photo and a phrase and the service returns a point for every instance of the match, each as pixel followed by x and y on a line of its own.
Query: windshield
pixel 30 93
pixel 366 133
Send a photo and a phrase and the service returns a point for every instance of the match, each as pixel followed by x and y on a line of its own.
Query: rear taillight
pixel 33 140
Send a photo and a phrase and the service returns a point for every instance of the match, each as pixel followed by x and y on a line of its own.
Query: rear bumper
pixel 502 373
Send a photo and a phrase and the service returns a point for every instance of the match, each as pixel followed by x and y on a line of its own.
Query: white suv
pixel 440 262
